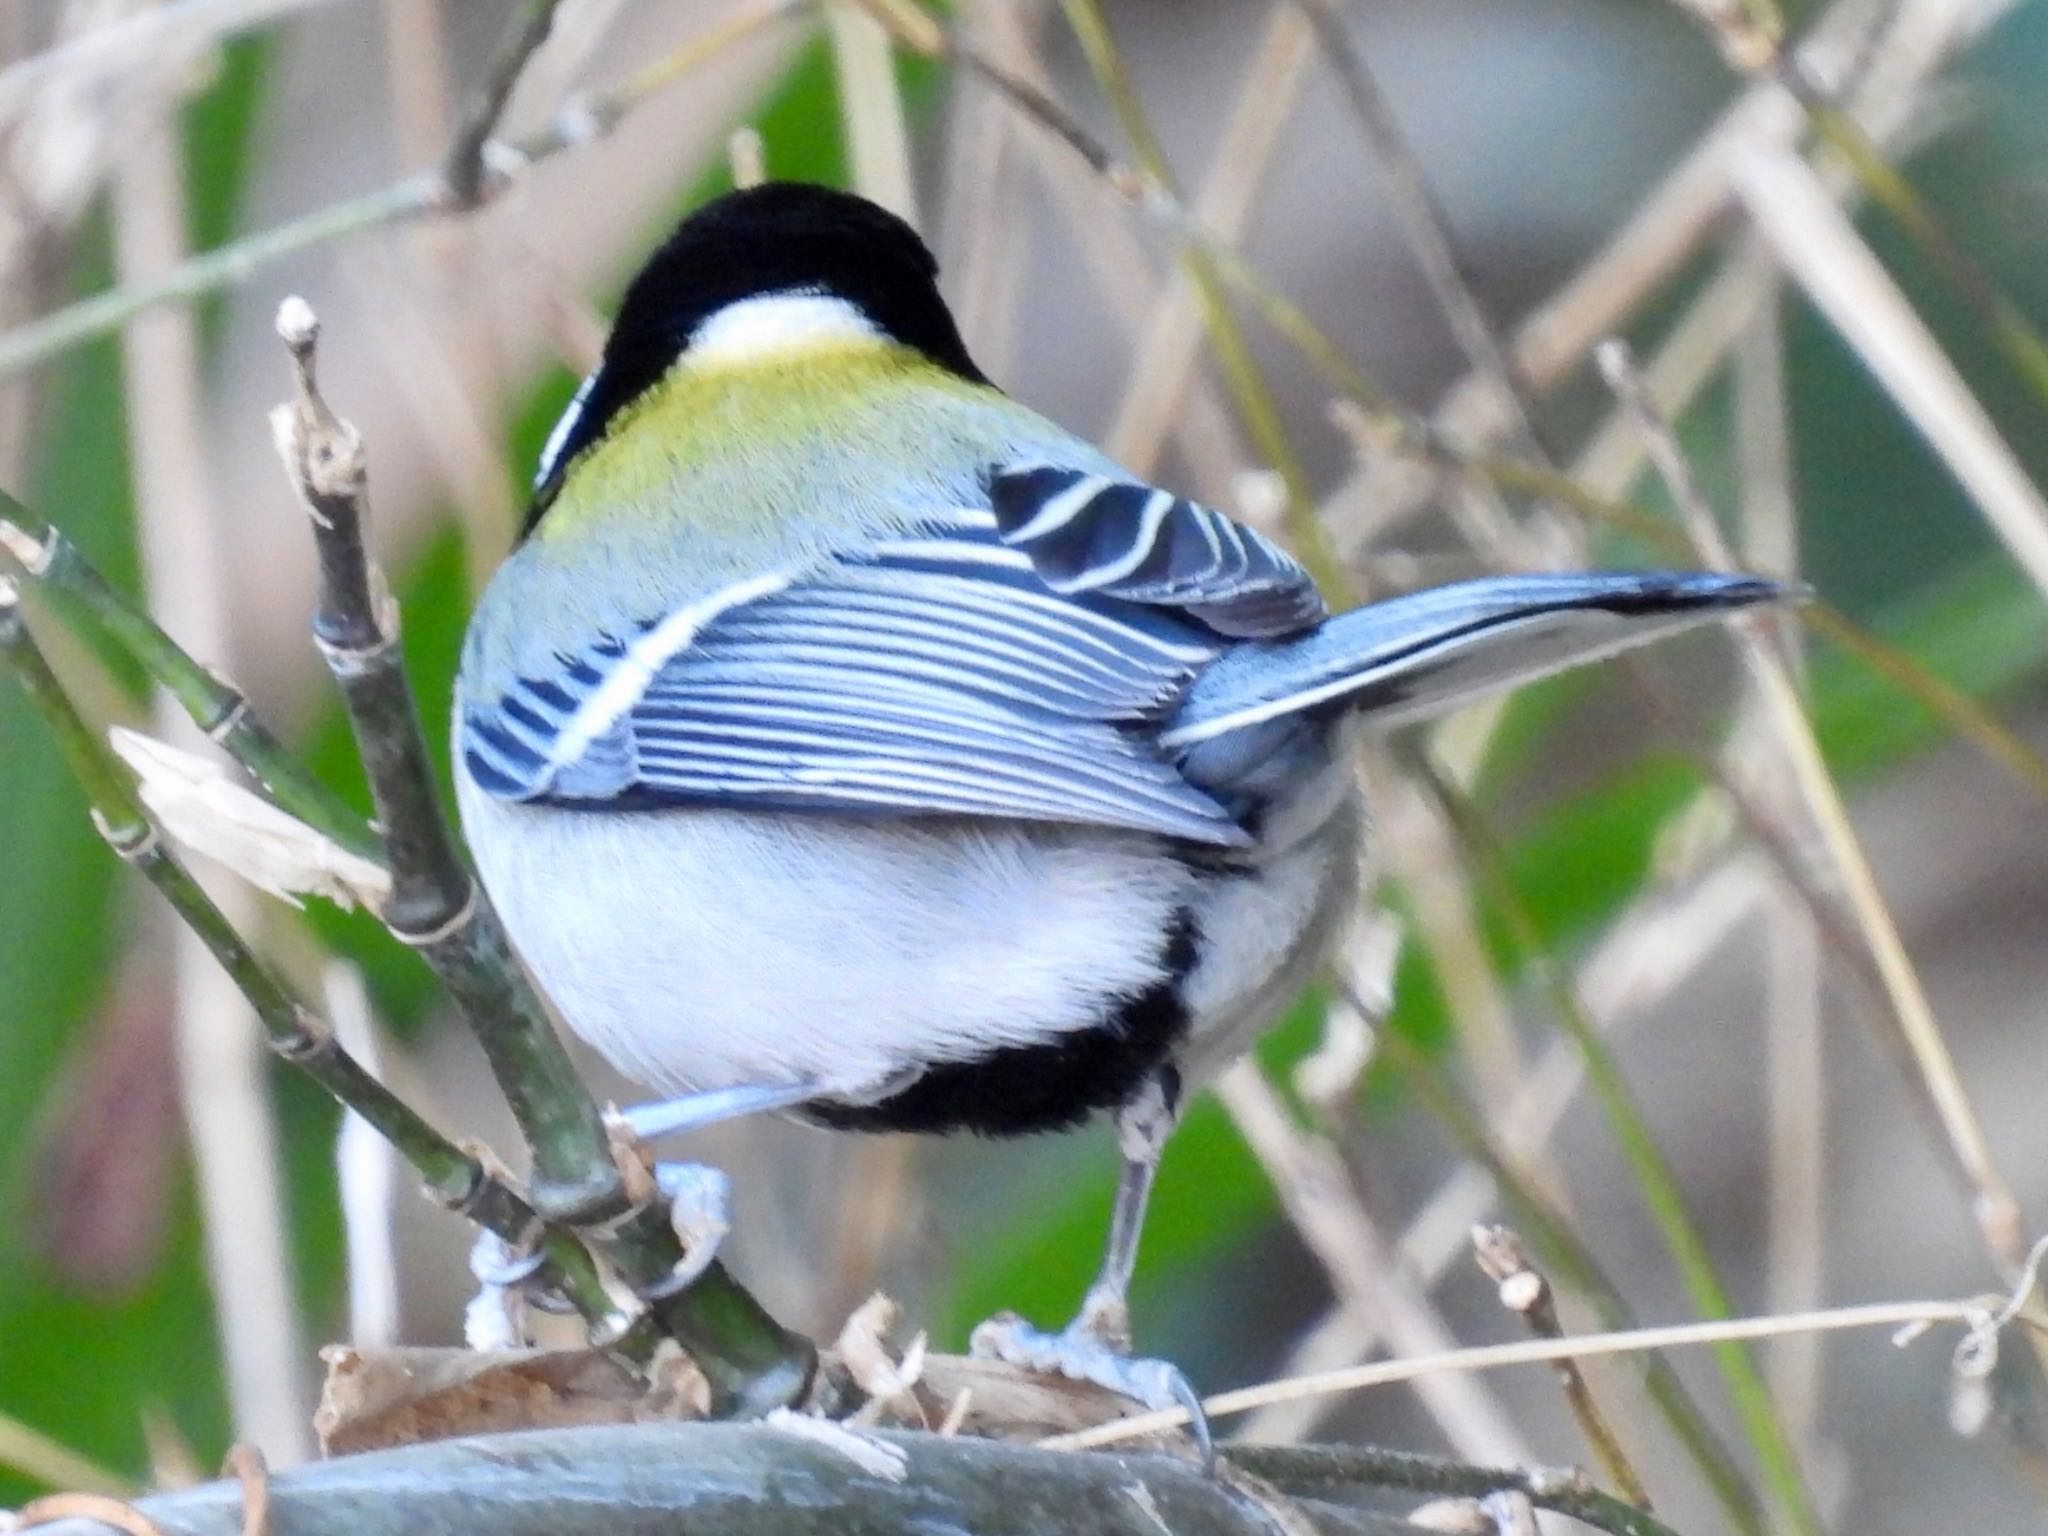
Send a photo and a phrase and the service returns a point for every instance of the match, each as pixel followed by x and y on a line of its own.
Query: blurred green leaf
pixel 78 1367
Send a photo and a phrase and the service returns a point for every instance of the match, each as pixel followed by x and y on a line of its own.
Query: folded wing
pixel 1012 660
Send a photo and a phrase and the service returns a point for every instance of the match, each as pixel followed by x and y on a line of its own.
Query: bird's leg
pixel 1096 1345
pixel 1142 1129
pixel 699 1203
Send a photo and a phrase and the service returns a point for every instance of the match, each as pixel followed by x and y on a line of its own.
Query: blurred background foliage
pixel 1540 127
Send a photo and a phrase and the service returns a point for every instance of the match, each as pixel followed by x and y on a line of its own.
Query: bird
pixel 845 739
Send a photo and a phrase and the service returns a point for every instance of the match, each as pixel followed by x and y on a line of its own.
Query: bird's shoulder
pixel 721 476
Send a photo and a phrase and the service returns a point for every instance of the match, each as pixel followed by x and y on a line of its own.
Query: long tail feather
pixel 1428 652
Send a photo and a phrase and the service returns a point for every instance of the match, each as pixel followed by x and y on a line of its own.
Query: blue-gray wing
pixel 978 665
pixel 1117 538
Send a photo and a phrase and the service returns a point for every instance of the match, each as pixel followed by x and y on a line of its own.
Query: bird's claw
pixel 1079 1353
pixel 700 1209
pixel 505 1273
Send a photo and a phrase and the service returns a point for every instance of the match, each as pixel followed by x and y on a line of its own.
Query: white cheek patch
pixel 551 452
pixel 752 330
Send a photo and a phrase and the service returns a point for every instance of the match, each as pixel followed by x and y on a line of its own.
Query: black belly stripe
pixel 1021 1089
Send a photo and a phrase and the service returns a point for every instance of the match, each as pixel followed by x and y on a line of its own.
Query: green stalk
pixel 1575 1266
pixel 59 568
pixel 437 906
pixel 1241 372
pixel 453 1177
pixel 1775 1459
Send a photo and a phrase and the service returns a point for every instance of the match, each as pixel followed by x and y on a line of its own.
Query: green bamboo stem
pixel 59 568
pixel 453 1177
pixel 1775 1458
pixel 437 907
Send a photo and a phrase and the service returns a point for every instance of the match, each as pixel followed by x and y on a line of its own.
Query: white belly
pixel 709 948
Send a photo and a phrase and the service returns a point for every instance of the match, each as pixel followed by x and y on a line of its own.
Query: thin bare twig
pixel 1159 371
pixel 1576 1265
pixel 1994 1206
pixel 235 1142
pixel 464 170
pixel 1242 375
pixel 437 907
pixel 1896 1315
pixel 1526 1293
pixel 1424 223
pixel 1208 437
pixel 1315 1190
pixel 581 121
pixel 1647 1162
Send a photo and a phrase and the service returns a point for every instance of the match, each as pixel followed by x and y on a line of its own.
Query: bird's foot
pixel 1092 1349
pixel 510 1276
pixel 508 1282
pixel 700 1209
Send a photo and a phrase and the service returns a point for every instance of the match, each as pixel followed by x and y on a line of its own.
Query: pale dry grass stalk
pixel 1200 256
pixel 746 156
pixel 1689 357
pixel 1425 226
pixel 1836 270
pixel 1908 1317
pixel 1436 1235
pixel 1652 949
pixel 428 308
pixel 1111 253
pixel 1994 1207
pixel 871 109
pixel 980 254
pixel 583 120
pixel 229 1115
pixel 1795 1064
pixel 1316 1191
pixel 436 350
pixel 151 40
pixel 366 1168
pixel 30 1452
pixel 1421 857
pixel 1881 59
pixel 1158 374
pixel 421 77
